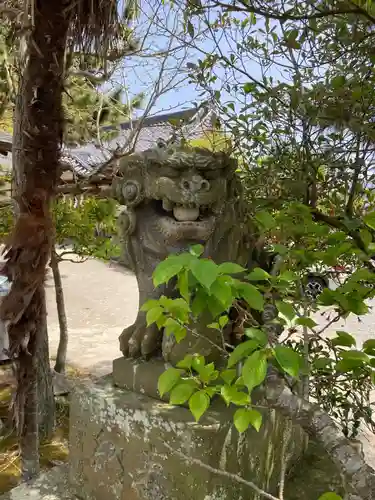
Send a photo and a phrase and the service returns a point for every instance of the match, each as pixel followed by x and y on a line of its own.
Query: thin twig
pixel 223 473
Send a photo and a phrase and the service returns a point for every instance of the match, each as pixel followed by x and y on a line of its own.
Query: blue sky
pixel 138 74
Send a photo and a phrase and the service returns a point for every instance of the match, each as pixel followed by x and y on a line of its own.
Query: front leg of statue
pixel 139 340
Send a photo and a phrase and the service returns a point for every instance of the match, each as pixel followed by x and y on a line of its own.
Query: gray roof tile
pixel 193 123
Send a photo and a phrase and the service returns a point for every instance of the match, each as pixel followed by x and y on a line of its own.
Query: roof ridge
pixel 150 121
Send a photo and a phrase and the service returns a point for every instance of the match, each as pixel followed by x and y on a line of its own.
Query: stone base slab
pixel 139 376
pixel 51 485
pixel 118 452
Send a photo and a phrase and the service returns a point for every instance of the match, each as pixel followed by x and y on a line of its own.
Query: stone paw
pixel 139 340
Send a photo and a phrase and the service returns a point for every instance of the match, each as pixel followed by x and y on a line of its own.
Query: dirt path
pixel 100 301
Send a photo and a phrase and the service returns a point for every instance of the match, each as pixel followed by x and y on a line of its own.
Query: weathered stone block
pixel 50 485
pixel 118 451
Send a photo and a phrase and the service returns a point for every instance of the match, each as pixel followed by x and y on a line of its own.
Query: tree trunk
pixel 27 399
pixel 37 138
pixel 46 397
pixel 63 324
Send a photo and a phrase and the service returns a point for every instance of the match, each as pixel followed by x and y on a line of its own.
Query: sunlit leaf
pixel 168 380
pixel 245 417
pixel 182 392
pixel 204 271
pixel 241 351
pixel 289 360
pixel 198 404
pixel 254 370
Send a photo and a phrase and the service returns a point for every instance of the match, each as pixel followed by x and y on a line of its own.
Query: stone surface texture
pixel 118 452
pixel 51 485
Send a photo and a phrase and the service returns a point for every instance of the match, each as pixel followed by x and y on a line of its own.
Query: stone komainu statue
pixel 175 198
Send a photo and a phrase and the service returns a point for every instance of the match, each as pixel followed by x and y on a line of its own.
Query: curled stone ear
pixel 126 222
pixel 132 193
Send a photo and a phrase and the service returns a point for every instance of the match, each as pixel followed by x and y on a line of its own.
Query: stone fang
pixel 184 214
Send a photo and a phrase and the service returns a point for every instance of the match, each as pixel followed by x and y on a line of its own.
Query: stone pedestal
pixel 118 449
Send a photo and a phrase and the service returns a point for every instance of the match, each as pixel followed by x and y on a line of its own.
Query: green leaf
pixel 223 293
pixel 215 307
pixel 322 363
pixel 258 274
pixel 196 250
pixel 199 303
pixel 204 271
pixel 186 362
pixel 286 309
pixel 228 376
pixel 198 404
pixel 231 394
pixel 249 87
pixel 245 417
pixel 338 81
pixel 362 275
pixel 289 276
pixel 306 321
pixel 254 370
pixel 330 496
pixel 369 219
pixel 241 419
pixel 172 326
pixel 265 219
pixel 343 339
pixel 240 382
pixel 242 350
pixel 183 285
pixel 208 373
pixel 150 304
pixel 357 306
pixel 190 29
pixel 198 362
pixel 223 321
pixel 153 315
pixel 252 296
pixel 347 365
pixel 366 237
pixel 289 360
pixel 181 393
pixel 355 355
pixel 178 308
pixel 369 346
pixel 175 305
pixel 167 269
pixel 258 335
pixel 230 268
pixel 327 297
pixel 168 380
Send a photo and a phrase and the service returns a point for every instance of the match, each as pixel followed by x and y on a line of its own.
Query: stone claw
pixel 139 340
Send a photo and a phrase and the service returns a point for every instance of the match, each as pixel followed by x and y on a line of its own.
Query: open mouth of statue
pixel 183 213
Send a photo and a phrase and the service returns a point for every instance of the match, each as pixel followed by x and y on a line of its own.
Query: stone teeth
pixel 167 205
pixel 184 214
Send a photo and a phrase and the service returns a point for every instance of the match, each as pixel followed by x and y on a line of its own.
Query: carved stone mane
pixel 174 198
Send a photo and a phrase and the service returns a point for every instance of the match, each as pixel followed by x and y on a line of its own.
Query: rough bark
pixel 37 140
pixel 63 323
pixel 359 476
pixel 27 403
